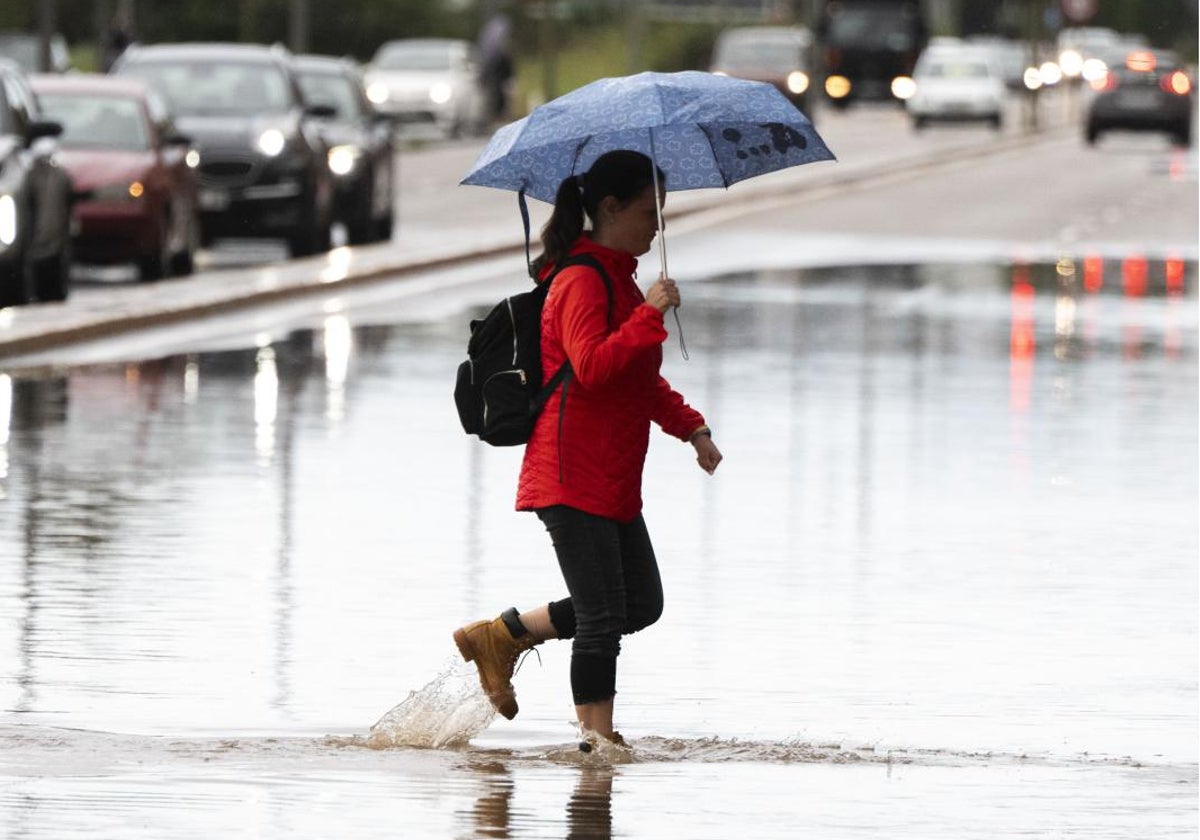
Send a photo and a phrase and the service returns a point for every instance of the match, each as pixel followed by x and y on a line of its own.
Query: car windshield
pixel 873 27
pixel 747 53
pixel 97 122
pixel 955 70
pixel 415 57
pixel 331 89
pixel 199 88
pixel 25 51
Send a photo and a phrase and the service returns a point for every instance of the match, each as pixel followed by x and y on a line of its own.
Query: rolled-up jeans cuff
pixel 593 678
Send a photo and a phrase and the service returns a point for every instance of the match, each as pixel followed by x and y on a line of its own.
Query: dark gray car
pixel 35 198
pixel 264 168
pixel 1142 90
pixel 361 149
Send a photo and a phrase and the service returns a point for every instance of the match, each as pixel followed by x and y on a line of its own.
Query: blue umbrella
pixel 701 129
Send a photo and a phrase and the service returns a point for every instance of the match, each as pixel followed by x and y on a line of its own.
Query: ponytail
pixel 622 174
pixel 564 226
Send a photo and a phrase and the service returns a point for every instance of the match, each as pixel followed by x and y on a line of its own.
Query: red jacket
pixel 593 461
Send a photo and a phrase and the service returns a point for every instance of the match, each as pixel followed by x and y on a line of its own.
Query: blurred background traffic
pixel 139 134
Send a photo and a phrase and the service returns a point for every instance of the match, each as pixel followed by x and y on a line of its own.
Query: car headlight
pixel 1071 63
pixel 797 81
pixel 192 159
pixel 377 92
pixel 271 142
pixel 903 87
pixel 343 159
pixel 441 93
pixel 121 191
pixel 8 220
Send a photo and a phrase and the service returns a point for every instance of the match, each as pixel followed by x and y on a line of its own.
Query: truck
pixel 867 45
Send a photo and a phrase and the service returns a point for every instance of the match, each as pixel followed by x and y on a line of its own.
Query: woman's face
pixel 630 227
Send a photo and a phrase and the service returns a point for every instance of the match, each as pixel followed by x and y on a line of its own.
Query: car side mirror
pixel 323 112
pixel 42 128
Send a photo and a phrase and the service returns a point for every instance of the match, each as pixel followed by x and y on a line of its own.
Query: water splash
pixel 447 712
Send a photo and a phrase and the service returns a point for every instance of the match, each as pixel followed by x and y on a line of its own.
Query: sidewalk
pixel 42 326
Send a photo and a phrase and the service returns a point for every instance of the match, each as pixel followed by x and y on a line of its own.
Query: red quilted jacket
pixel 593 460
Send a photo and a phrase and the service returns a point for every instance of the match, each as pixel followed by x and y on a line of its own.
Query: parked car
pixel 361 151
pixel 779 55
pixel 25 49
pixel 428 81
pixel 955 84
pixel 1149 91
pixel 35 198
pixel 130 170
pixel 264 166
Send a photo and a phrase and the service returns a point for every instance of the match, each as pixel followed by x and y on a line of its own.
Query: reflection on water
pixel 957 525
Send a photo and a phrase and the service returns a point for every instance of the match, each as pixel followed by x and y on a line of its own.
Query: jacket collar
pixel 617 263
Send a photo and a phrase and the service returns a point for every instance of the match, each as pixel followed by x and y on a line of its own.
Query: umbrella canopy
pixel 702 130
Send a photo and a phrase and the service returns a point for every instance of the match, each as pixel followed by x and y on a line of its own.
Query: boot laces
pixel 520 658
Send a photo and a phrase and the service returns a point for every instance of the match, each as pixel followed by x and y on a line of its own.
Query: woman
pixel 582 470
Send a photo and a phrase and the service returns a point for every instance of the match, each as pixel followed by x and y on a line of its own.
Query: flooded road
pixel 944 584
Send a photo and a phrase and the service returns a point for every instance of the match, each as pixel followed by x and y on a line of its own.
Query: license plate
pixel 1139 99
pixel 213 200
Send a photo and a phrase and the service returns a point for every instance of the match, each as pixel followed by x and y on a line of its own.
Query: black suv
pixel 35 198
pixel 264 168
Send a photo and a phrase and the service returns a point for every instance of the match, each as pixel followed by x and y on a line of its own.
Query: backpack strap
pixel 565 371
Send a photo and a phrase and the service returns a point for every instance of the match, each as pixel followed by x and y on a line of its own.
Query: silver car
pixel 955 84
pixel 428 81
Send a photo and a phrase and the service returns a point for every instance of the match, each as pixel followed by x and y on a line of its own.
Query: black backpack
pixel 499 389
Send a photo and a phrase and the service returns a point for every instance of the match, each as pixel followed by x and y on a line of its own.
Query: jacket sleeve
pixel 675 416
pixel 596 355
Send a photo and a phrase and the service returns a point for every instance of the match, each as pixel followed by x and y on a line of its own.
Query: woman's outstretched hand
pixel 663 294
pixel 707 454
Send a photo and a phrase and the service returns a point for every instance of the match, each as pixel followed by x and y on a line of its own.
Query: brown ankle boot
pixel 492 648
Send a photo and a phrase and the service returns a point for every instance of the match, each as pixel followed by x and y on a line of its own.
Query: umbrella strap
pixel 525 221
pixel 679 325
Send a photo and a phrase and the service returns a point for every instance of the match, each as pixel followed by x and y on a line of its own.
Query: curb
pixel 107 325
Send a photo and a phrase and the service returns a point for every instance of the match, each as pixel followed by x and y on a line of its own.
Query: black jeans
pixel 612 575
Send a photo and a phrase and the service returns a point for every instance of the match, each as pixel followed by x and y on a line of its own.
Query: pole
pixel 47 24
pixel 549 49
pixel 298 26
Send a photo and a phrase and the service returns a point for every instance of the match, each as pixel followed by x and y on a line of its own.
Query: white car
pixel 428 81
pixel 952 84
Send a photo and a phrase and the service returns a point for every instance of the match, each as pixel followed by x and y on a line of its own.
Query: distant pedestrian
pixel 582 470
pixel 496 65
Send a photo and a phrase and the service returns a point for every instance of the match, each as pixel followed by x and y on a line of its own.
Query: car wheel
pixel 16 284
pixel 313 238
pixel 1183 136
pixel 1092 134
pixel 996 121
pixel 359 227
pixel 383 228
pixel 920 123
pixel 183 262
pixel 155 266
pixel 52 276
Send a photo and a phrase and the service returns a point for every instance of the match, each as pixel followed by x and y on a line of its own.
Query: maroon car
pixel 134 176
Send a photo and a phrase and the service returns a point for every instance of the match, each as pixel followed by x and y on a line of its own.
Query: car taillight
pixel 1178 82
pixel 1106 82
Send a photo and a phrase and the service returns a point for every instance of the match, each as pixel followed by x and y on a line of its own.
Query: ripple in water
pixel 447 712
